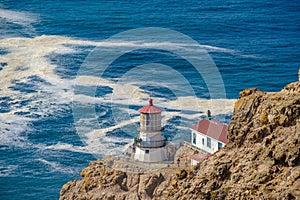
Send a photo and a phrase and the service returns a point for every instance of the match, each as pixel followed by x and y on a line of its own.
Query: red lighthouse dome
pixel 150 108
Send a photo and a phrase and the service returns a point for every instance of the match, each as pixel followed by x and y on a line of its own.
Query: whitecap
pixel 66 147
pixel 8 170
pixel 58 167
pixel 17 17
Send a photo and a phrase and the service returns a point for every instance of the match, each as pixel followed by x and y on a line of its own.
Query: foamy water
pixel 27 57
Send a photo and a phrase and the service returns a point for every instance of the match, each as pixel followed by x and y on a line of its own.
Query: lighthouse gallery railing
pixel 150 144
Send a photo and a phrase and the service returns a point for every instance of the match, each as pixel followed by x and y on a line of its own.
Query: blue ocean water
pixel 56 117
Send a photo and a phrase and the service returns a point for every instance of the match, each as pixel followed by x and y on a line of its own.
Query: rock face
pixel 261 160
pixel 102 182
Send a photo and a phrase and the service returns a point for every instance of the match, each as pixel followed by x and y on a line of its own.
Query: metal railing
pixel 150 144
pixel 189 145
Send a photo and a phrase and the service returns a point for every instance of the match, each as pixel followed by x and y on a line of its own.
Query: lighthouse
pixel 150 144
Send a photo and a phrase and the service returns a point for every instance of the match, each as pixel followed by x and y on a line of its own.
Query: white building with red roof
pixel 209 136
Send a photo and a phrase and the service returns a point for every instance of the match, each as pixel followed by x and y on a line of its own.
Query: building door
pixel 220 145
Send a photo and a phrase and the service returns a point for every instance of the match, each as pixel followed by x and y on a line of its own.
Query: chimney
pixel 208 115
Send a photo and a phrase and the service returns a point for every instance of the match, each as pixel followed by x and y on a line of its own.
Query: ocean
pixel 74 73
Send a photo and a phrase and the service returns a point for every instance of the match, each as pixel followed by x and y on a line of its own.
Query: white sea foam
pixel 152 45
pixel 11 127
pixel 23 19
pixel 100 145
pixel 28 57
pixel 17 17
pixel 57 167
pixel 218 49
pixel 67 147
pixel 7 170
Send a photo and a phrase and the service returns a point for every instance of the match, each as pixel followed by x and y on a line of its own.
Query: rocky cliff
pixel 261 160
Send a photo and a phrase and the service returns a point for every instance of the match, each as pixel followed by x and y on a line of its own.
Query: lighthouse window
pixel 147 119
pixel 147 151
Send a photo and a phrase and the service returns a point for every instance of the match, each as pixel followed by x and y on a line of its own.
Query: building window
pixel 194 138
pixel 208 142
pixel 220 145
pixel 147 151
pixel 203 141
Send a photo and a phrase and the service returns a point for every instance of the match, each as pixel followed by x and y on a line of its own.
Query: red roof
pixel 150 109
pixel 200 157
pixel 212 129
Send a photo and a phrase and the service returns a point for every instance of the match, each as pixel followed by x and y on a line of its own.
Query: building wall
pixel 151 155
pixel 200 140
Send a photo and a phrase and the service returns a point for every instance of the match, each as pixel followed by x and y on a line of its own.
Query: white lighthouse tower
pixel 150 143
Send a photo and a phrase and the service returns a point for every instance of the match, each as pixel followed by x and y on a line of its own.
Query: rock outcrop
pixel 102 182
pixel 261 160
pixel 104 179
